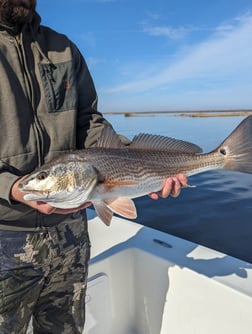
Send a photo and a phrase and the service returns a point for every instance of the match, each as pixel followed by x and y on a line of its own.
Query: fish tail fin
pixel 237 148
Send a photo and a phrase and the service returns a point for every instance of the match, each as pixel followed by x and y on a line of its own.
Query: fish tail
pixel 237 148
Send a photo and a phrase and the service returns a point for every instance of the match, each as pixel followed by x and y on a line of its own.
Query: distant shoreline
pixel 186 113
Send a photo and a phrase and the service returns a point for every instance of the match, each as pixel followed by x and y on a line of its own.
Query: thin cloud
pixel 93 61
pixel 170 32
pixel 221 58
pixel 230 26
pixel 153 16
pixel 151 27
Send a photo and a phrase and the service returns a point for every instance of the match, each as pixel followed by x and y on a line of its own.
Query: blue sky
pixel 158 55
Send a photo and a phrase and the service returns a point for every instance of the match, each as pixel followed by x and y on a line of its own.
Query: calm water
pixel 217 213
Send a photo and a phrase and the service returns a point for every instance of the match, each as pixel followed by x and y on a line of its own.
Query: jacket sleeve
pixel 90 122
pixel 7 177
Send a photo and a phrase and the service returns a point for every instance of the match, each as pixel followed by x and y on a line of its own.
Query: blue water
pixel 217 213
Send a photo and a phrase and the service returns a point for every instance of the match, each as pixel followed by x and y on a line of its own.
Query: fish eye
pixel 42 176
pixel 223 151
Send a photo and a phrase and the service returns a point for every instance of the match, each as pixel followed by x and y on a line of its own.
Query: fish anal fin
pixel 123 206
pixel 103 212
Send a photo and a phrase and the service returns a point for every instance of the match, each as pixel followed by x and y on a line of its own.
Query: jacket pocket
pixel 59 85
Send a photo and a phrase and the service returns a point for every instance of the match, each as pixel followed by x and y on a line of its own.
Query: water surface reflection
pixel 217 213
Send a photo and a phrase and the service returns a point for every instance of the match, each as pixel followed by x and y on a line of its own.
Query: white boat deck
pixel 142 281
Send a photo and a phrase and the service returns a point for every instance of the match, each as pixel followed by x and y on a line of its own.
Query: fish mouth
pixel 38 194
pixel 24 187
pixel 32 191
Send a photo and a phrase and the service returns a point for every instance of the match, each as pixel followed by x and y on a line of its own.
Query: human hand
pixel 43 207
pixel 172 187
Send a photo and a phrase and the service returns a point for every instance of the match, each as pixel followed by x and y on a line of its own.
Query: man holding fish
pixel 48 106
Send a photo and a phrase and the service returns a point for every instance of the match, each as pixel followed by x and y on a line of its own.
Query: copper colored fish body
pixel 110 175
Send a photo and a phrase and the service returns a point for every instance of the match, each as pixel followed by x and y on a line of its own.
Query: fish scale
pixel 111 174
pixel 144 164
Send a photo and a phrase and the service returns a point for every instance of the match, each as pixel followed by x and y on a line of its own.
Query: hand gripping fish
pixel 110 174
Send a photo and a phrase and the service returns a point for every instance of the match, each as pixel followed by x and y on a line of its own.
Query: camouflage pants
pixel 43 275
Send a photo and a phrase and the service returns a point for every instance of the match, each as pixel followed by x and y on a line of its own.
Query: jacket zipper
pixel 31 96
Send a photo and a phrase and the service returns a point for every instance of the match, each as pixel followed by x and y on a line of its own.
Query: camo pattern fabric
pixel 43 275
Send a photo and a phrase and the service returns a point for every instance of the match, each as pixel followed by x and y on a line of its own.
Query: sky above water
pixel 157 55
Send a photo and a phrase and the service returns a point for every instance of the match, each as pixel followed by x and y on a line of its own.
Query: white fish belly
pixel 102 192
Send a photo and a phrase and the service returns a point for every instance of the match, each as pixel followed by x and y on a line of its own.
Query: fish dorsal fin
pixel 109 139
pixel 147 141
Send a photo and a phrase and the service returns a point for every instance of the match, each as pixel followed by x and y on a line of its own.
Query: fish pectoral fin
pixel 123 206
pixel 103 212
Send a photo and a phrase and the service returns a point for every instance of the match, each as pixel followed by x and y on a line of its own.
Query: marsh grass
pixel 203 113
